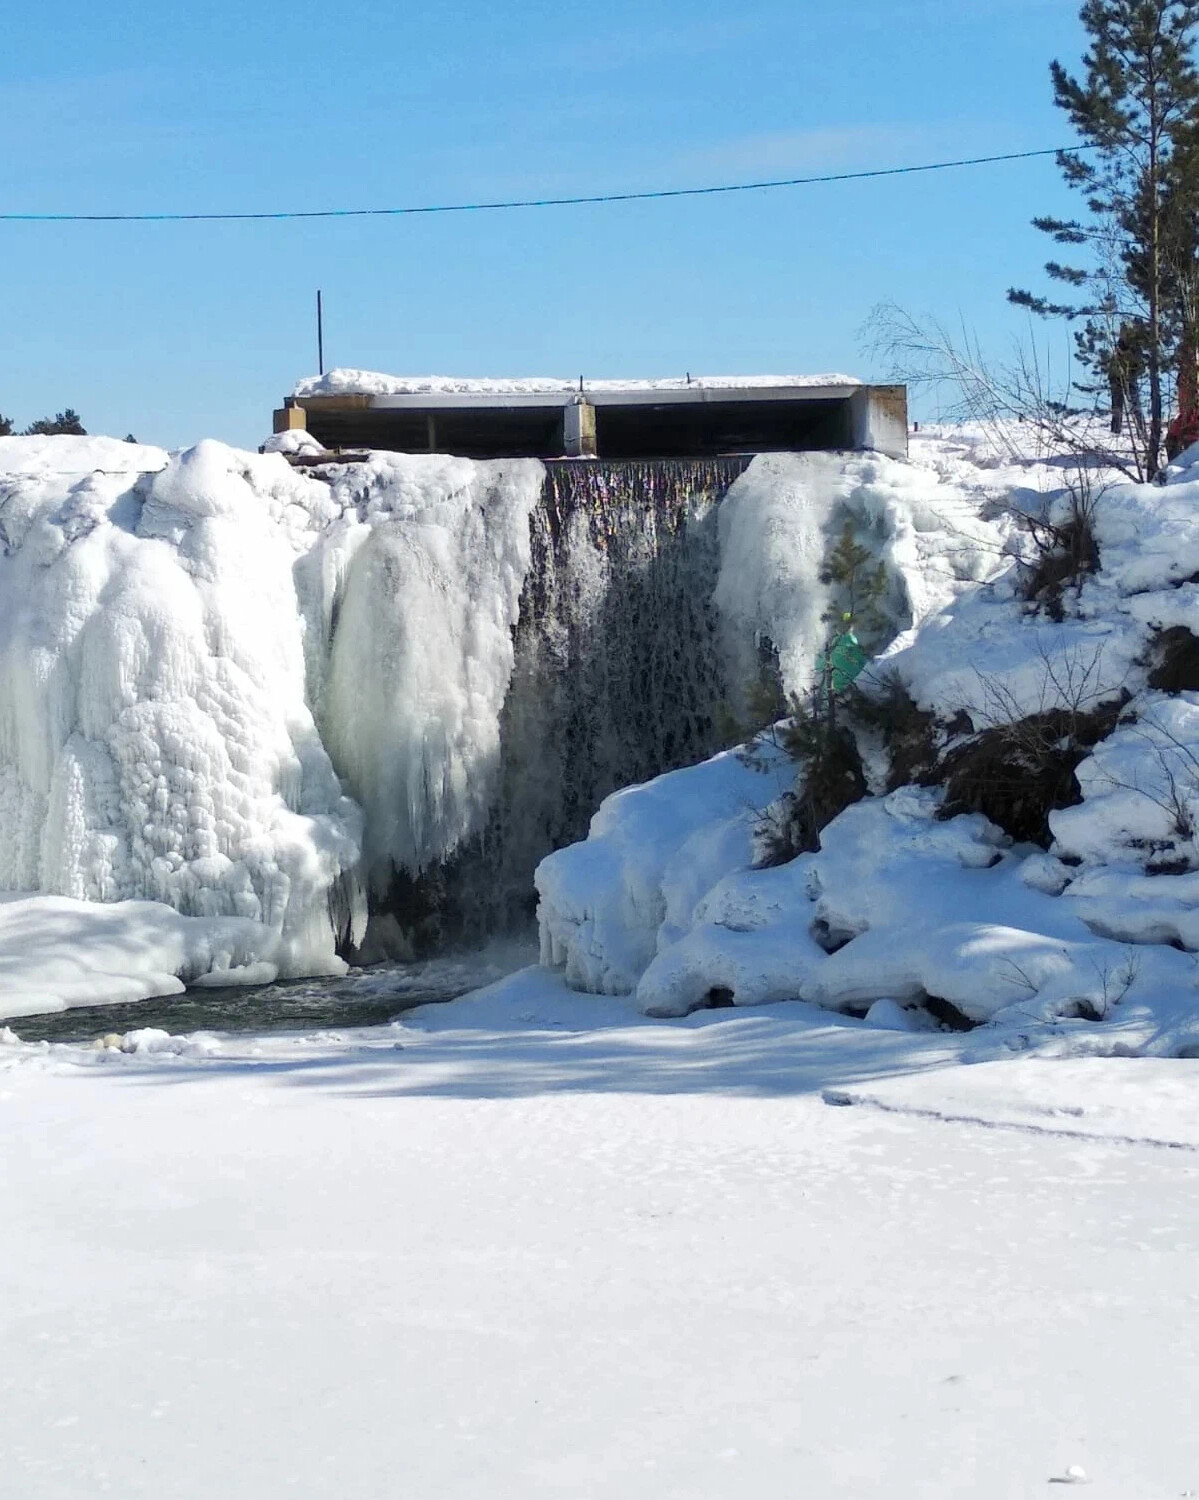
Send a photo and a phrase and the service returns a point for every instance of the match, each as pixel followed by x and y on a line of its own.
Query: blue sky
pixel 180 331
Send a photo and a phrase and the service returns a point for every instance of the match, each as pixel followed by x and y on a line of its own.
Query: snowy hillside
pixel 908 914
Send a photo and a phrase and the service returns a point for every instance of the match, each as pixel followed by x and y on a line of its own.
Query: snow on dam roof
pixel 343 382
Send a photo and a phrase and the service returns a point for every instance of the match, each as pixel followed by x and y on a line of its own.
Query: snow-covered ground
pixel 535 1244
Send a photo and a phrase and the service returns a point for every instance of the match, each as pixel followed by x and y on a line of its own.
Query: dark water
pixel 371 997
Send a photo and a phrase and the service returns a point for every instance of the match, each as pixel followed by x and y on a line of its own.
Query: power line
pixel 463 208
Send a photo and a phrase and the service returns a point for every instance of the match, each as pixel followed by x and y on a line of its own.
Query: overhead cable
pixel 488 206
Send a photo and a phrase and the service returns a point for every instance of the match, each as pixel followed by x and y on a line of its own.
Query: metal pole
pixel 320 335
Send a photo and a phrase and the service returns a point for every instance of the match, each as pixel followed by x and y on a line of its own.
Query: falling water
pixel 618 676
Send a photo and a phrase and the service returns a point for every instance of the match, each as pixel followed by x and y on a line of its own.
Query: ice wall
pixel 155 741
pixel 419 586
pixel 174 628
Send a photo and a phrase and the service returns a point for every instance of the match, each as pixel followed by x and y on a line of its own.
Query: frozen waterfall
pixel 256 694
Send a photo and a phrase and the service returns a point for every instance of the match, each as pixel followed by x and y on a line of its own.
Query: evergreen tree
pixel 1136 106
pixel 860 585
pixel 5 426
pixel 64 423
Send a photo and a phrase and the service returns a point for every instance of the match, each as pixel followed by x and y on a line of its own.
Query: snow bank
pixel 991 655
pixel 652 851
pixel 986 656
pixel 56 953
pixel 912 908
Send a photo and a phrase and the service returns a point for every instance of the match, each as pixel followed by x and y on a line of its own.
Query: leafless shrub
pixel 1177 792
pixel 1026 390
pixel 1011 973
pixel 1065 551
pixel 1115 979
pixel 1070 683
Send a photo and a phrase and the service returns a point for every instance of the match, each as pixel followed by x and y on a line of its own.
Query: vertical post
pixel 578 429
pixel 320 335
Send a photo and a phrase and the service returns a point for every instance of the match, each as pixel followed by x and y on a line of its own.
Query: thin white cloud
pixel 630 47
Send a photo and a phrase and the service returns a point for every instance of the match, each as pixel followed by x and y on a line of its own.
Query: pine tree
pixel 63 424
pixel 860 585
pixel 5 426
pixel 1136 107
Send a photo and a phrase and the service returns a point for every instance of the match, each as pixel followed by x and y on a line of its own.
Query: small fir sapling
pixel 859 586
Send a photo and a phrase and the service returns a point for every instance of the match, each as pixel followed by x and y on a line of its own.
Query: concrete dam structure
pixel 689 417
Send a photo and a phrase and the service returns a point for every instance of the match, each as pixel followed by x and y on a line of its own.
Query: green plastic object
pixel 844 662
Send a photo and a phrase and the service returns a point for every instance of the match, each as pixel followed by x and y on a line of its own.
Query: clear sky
pixel 178 331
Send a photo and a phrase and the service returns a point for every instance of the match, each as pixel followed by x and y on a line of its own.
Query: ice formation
pixel 781 518
pixel 422 577
pixel 619 669
pixel 172 631
pixel 249 693
pixel 155 741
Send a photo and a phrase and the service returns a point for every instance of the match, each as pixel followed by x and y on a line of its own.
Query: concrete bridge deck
pixel 605 419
